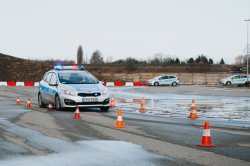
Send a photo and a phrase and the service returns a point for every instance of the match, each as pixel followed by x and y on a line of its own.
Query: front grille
pixel 89 94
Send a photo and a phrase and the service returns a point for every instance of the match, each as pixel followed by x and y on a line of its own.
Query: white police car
pixel 68 86
pixel 164 80
pixel 235 79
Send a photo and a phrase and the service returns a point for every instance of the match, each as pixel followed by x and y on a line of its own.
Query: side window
pixel 44 77
pixel 235 77
pixel 171 77
pixel 48 77
pixel 165 77
pixel 53 79
pixel 243 76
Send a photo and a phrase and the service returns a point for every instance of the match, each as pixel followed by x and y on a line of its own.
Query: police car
pixel 164 80
pixel 68 86
pixel 235 79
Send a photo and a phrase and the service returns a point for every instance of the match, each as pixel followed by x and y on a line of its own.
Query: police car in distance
pixel 164 80
pixel 235 79
pixel 68 86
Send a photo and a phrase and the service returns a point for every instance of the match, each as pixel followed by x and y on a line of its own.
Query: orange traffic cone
pixel 28 103
pixel 77 113
pixel 119 121
pixel 112 102
pixel 50 109
pixel 193 114
pixel 18 100
pixel 142 109
pixel 206 138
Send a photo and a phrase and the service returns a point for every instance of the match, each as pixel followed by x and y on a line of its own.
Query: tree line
pixel 158 59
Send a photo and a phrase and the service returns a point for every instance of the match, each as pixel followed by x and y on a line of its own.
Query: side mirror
pixel 53 84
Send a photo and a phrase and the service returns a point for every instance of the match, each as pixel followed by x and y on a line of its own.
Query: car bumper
pixel 150 83
pixel 72 101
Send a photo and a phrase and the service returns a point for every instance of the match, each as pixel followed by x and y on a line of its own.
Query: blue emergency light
pixel 74 67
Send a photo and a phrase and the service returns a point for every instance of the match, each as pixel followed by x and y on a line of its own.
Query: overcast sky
pixel 41 29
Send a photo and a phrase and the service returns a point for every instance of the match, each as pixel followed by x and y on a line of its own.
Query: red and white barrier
pixel 13 83
pixel 129 84
pixel 109 84
pixel 19 83
pixel 3 83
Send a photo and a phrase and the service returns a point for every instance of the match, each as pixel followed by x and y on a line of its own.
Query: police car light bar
pixel 74 67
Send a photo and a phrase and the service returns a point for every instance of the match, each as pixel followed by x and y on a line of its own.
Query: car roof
pixel 166 75
pixel 67 71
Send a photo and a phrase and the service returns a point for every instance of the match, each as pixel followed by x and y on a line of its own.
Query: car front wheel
pixel 104 109
pixel 156 84
pixel 40 101
pixel 58 103
pixel 228 83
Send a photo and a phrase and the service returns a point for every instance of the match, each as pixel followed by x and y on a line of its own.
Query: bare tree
pixel 96 58
pixel 240 59
pixel 109 59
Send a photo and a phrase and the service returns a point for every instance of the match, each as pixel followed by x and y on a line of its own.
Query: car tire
pixel 247 83
pixel 40 101
pixel 58 103
pixel 174 84
pixel 156 84
pixel 104 109
pixel 228 83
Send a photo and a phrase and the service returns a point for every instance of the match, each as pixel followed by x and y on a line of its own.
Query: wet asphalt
pixel 231 137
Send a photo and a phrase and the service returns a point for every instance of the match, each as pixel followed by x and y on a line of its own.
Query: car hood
pixel 225 79
pixel 86 88
pixel 152 80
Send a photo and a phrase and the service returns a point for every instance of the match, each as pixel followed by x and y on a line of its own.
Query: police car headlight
pixel 69 92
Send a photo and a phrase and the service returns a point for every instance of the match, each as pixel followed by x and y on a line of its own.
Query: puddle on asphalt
pixel 219 108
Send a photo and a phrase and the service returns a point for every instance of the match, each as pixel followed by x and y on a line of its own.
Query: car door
pixel 52 88
pixel 171 79
pixel 165 80
pixel 243 79
pixel 236 80
pixel 160 81
pixel 45 88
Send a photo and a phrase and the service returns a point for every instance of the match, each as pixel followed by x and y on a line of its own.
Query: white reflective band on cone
pixel 206 132
pixel 119 118
pixel 193 111
pixel 28 102
pixel 193 105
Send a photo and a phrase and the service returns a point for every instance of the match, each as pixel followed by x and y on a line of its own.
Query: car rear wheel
pixel 40 101
pixel 104 109
pixel 228 83
pixel 174 83
pixel 58 103
pixel 156 84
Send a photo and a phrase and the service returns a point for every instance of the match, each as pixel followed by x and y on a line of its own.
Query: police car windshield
pixel 76 78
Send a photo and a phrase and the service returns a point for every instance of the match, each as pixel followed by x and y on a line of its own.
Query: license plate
pixel 90 99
